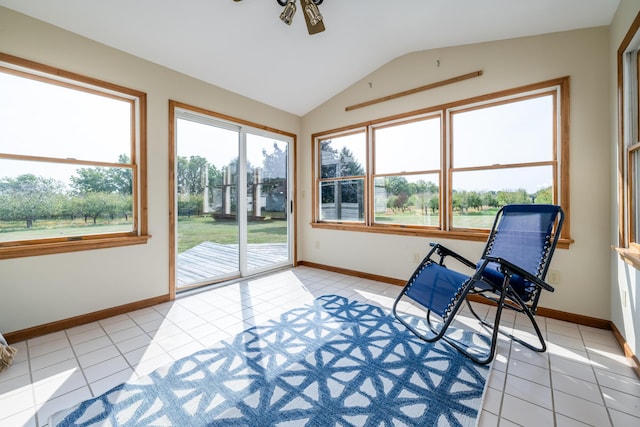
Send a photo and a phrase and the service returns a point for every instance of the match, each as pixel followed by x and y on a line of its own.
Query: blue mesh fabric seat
pixel 511 274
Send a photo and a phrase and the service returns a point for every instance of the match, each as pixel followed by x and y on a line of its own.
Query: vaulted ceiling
pixel 244 47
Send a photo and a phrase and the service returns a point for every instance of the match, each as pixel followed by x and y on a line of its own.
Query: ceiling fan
pixel 312 15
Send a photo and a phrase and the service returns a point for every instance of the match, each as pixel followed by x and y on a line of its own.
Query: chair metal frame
pixel 503 294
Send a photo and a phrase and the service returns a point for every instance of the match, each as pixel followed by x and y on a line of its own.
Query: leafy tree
pixel 401 201
pixel 93 205
pixel 489 199
pixel 509 197
pixel 434 203
pixel 474 200
pixel 190 206
pixel 101 191
pixel 122 177
pixel 92 180
pixel 104 179
pixel 274 165
pixel 397 185
pixel 349 165
pixel 459 200
pixel 337 164
pixel 28 197
pixel 544 196
pixel 191 173
pixel 274 178
pixel 215 176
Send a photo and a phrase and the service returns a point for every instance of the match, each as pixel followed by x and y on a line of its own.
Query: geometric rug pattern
pixel 337 362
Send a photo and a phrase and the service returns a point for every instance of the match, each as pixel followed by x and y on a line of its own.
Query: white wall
pixel 583 55
pixel 43 289
pixel 625 279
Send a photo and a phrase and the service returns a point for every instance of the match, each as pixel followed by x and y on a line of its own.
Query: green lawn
pixel 470 219
pixel 191 231
pixel 195 230
pixel 42 229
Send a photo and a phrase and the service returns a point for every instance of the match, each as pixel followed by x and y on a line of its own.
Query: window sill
pixel 474 236
pixel 67 246
pixel 629 255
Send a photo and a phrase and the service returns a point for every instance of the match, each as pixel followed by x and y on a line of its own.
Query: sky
pixel 100 131
pixel 513 133
pixel 219 145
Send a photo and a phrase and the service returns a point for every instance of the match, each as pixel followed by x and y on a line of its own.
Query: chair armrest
pixel 443 252
pixel 519 271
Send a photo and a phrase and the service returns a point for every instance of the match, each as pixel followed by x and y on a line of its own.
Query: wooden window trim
pixel 139 234
pixel 562 195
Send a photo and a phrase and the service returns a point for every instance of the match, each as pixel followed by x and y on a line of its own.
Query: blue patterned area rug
pixel 335 363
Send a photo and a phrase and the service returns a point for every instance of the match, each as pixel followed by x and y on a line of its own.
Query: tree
pixel 191 173
pixel 274 164
pixel 397 185
pixel 28 197
pixel 400 201
pixel 474 200
pixel 337 164
pixel 489 199
pixel 92 180
pixel 544 196
pixel 510 197
pixel 93 205
pixel 102 191
pixel 104 179
pixel 122 177
pixel 349 165
pixel 434 203
pixel 274 178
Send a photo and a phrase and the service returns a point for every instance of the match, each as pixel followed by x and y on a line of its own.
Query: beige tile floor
pixel 583 378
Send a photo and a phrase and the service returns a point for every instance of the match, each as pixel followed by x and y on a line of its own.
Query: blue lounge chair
pixel 511 273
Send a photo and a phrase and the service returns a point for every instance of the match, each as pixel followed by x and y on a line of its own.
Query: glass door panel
pixel 232 196
pixel 207 226
pixel 267 208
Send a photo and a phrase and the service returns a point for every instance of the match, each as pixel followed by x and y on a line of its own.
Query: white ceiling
pixel 245 48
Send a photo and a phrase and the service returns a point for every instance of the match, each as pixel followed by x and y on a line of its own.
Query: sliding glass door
pixel 232 197
pixel 267 202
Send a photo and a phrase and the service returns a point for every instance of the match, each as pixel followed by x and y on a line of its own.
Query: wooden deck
pixel 208 260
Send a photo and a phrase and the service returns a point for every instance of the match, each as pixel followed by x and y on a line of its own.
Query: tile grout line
pixel 33 389
pixel 550 371
pixel 595 377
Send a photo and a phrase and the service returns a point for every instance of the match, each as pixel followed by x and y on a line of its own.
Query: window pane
pixel 46 200
pixel 477 195
pixel 408 147
pixel 267 166
pixel 342 200
pixel 48 120
pixel 409 200
pixel 343 156
pixel 517 132
pixel 207 160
